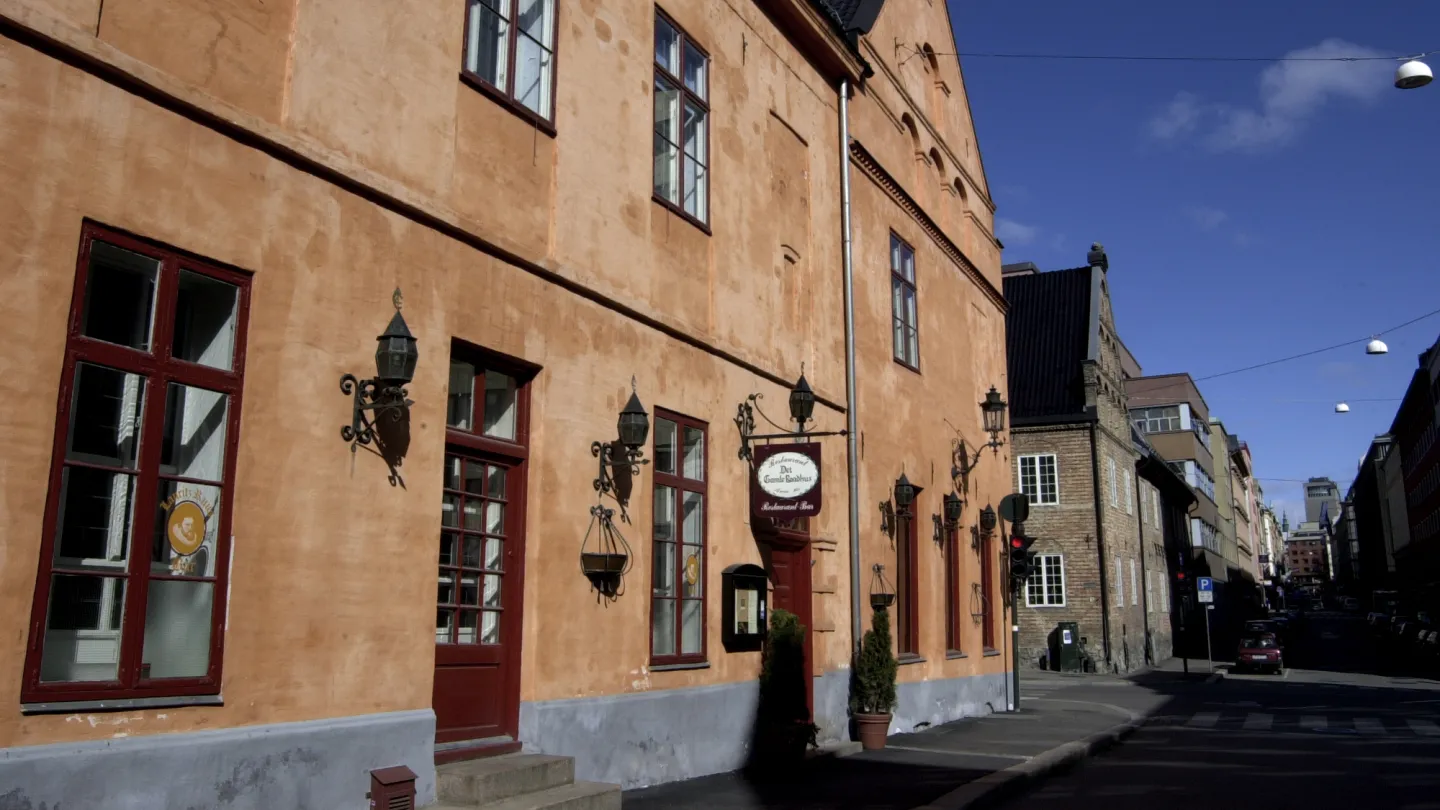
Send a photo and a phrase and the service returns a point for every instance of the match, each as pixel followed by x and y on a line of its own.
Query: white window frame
pixel 1043 565
pixel 1149 591
pixel 1134 585
pixel 1119 582
pixel 1114 482
pixel 1037 498
pixel 1129 493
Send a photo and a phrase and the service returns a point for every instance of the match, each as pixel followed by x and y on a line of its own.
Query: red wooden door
pixel 476 620
pixel 790 580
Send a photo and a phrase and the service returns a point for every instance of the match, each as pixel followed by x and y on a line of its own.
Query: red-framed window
pixel 487 430
pixel 907 583
pixel 987 592
pixel 510 55
pixel 682 122
pixel 677 602
pixel 135 555
pixel 953 640
pixel 903 313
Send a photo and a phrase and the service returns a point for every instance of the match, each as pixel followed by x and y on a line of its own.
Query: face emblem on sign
pixel 692 569
pixel 186 528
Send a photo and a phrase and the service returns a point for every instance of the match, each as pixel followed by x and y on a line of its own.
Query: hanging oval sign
pixel 787 475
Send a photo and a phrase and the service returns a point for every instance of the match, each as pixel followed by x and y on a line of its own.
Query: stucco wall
pixel 332 584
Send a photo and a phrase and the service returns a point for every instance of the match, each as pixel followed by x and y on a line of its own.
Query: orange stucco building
pixel 209 597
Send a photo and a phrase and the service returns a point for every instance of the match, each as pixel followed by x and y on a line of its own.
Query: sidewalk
pixel 946 767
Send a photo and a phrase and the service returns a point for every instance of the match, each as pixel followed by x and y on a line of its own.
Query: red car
pixel 1260 652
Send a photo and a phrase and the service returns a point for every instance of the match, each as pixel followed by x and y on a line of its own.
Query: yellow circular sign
pixel 186 528
pixel 692 569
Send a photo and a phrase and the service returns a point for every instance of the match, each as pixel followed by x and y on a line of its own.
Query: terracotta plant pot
pixel 872 730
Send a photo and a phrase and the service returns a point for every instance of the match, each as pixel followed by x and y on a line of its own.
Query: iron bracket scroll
pixel 745 422
pixel 371 396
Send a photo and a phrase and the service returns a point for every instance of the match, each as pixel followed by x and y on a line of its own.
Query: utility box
pixel 1065 647
pixel 392 789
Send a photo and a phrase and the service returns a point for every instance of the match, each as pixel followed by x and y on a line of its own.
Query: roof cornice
pixel 862 158
pixel 816 35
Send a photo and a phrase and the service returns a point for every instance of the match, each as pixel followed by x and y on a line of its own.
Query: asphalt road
pixel 1338 730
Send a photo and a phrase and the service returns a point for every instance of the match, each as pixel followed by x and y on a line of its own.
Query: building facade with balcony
pixel 557 210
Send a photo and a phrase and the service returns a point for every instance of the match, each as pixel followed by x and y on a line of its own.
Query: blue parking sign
pixel 1204 584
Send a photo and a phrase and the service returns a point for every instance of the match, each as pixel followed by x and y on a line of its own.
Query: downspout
pixel 852 454
pixel 1144 571
pixel 1100 538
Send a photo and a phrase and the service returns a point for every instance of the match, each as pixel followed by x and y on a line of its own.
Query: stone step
pixel 576 796
pixel 478 782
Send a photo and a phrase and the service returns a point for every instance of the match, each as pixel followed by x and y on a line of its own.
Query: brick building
pixel 1075 456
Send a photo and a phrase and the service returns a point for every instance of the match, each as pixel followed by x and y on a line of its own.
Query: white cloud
pixel 1014 233
pixel 1179 117
pixel 1292 93
pixel 1206 218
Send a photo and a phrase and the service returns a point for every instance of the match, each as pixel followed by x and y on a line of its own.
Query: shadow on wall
pixel 782 730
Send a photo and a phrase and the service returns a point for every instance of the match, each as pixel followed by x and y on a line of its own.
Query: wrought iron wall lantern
pixel 882 590
pixel 633 428
pixel 607 562
pixel 899 506
pixel 953 506
pixel 992 408
pixel 802 407
pixel 395 357
pixel 988 521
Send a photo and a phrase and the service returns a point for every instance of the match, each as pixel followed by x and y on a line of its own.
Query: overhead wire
pixel 1156 58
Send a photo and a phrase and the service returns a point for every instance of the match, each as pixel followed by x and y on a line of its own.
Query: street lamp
pixel 1341 407
pixel 395 357
pixel 1376 346
pixel 1413 74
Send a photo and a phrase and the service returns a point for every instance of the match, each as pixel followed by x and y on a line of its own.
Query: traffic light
pixel 1021 558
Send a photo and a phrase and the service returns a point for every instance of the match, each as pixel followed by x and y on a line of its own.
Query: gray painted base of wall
pixel 654 737
pixel 314 765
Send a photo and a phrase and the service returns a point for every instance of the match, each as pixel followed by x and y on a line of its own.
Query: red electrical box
pixel 392 789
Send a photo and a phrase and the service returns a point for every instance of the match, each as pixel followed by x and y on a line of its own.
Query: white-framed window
pixel 1040 479
pixel 1046 587
pixel 1164 594
pixel 1155 497
pixel 1129 494
pixel 1114 482
pixel 1149 591
pixel 1134 584
pixel 1156 420
pixel 1119 583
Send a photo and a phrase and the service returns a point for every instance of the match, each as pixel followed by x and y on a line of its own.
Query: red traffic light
pixel 1179 574
pixel 1017 542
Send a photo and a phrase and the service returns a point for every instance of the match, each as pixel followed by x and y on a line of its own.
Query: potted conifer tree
pixel 872 683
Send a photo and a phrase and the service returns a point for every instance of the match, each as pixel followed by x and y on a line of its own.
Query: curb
pixel 996 787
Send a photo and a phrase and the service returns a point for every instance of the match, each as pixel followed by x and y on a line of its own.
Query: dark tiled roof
pixel 1047 340
pixel 850 15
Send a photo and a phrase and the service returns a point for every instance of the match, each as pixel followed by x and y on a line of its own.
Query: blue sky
pixel 1250 210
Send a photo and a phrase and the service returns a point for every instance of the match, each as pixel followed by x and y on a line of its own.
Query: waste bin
pixel 1065 647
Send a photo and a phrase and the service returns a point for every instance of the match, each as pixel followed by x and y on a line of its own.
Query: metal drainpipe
pixel 852 454
pixel 1100 539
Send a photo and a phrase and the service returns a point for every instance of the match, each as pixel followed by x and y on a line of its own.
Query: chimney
pixel 1019 269
pixel 1097 258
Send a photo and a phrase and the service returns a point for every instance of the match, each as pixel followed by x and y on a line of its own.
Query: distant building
pixel 1104 507
pixel 1322 500
pixel 1307 556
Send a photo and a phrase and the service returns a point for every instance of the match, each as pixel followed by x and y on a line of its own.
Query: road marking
pixel 1259 721
pixel 1369 726
pixel 1313 722
pixel 1425 728
pixel 1204 720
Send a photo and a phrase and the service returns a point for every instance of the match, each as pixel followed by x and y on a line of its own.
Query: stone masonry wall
pixel 1068 529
